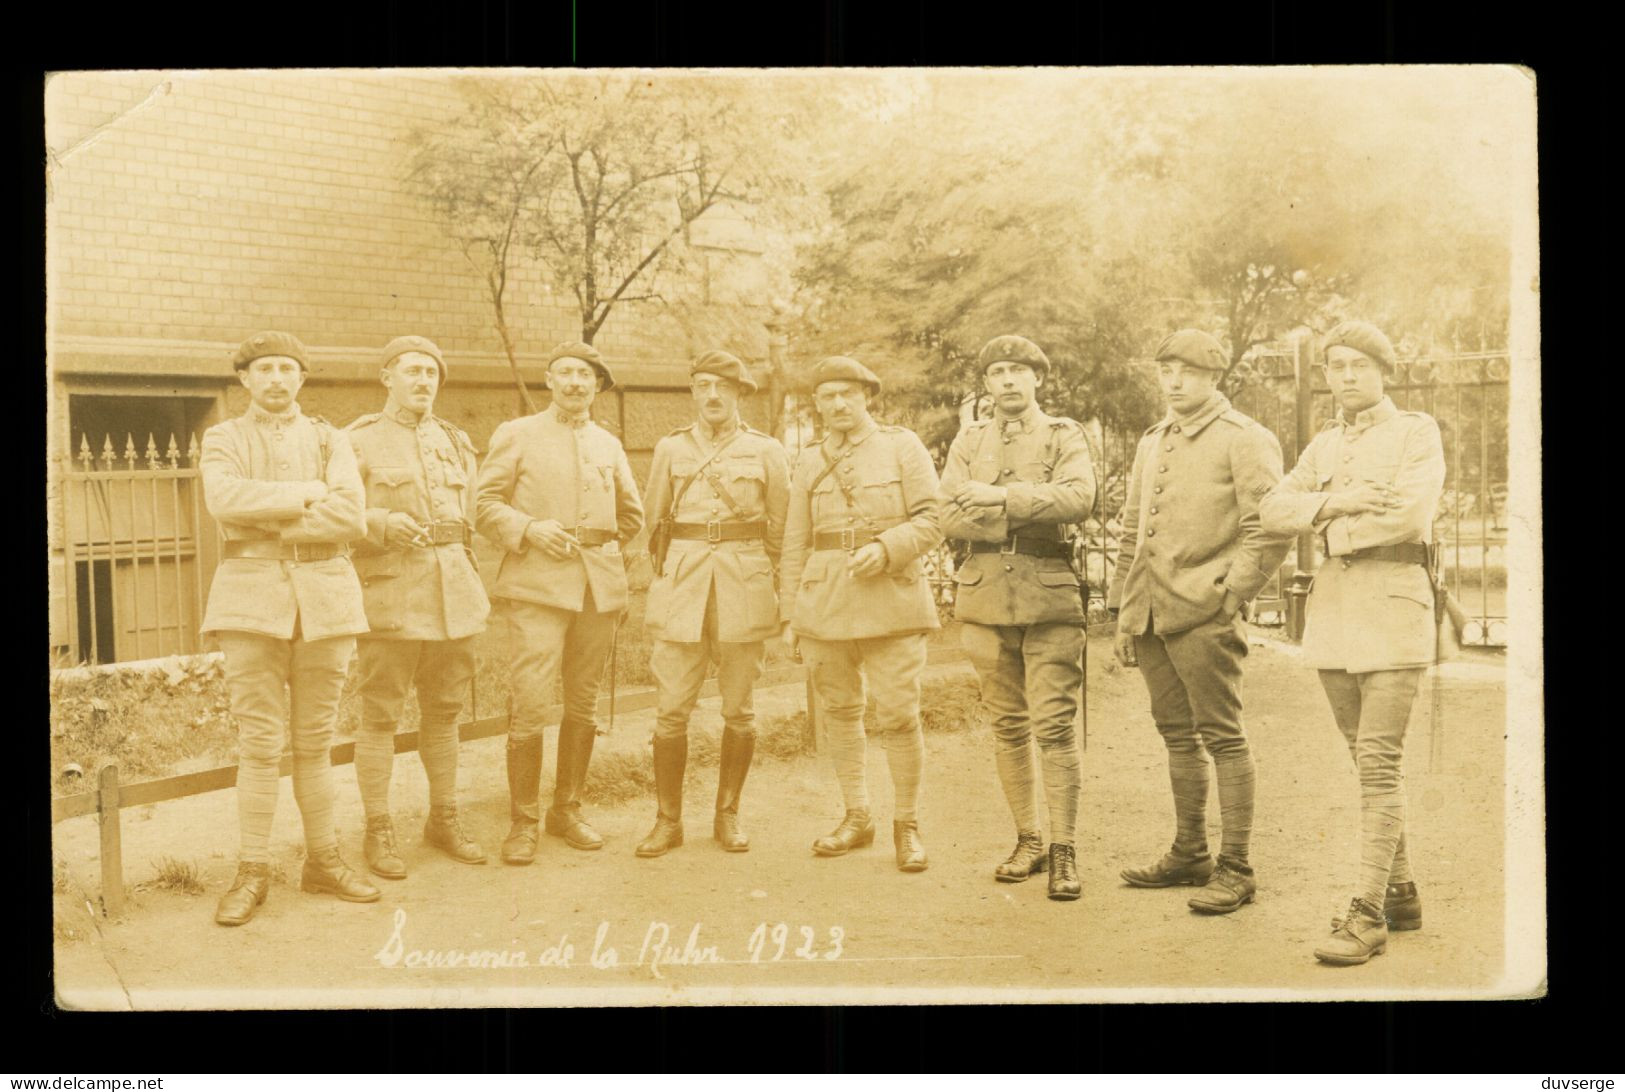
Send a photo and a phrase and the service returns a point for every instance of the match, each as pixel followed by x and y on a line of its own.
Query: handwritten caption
pixel 767 943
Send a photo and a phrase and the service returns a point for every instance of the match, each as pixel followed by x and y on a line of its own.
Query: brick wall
pixel 199 207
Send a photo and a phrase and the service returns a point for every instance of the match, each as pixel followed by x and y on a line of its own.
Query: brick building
pixel 186 210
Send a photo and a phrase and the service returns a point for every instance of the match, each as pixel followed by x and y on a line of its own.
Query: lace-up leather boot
pixel 855 831
pixel 1064 885
pixel 1362 934
pixel 1027 859
pixel 1172 871
pixel 910 850
pixel 378 849
pixel 444 831
pixel 326 873
pixel 246 894
pixel 1231 887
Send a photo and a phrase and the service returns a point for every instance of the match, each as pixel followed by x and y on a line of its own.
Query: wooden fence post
pixel 112 852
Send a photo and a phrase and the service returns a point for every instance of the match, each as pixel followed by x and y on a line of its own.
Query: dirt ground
pixel 699 924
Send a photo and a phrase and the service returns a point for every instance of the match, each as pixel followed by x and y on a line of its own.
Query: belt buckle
pixel 1008 546
pixel 576 531
pixel 713 531
pixel 299 551
pixel 849 539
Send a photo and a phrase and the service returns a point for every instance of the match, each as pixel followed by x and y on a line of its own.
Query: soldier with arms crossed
pixel 285 608
pixel 1192 553
pixel 557 493
pixel 1369 485
pixel 716 498
pixel 424 599
pixel 863 508
pixel 1011 482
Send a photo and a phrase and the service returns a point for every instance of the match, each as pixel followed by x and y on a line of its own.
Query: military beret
pixel 1362 337
pixel 270 343
pixel 1198 349
pixel 728 366
pixel 411 343
pixel 580 350
pixel 1016 350
pixel 835 368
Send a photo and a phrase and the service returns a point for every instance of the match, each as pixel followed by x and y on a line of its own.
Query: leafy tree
pixel 596 178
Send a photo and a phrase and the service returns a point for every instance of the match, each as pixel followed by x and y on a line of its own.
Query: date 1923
pixel 769 943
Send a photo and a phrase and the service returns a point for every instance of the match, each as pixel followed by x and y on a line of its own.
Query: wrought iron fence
pixel 136 552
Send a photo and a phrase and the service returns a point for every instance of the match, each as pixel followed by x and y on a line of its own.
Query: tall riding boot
pixel 564 818
pixel 524 786
pixel 737 749
pixel 671 759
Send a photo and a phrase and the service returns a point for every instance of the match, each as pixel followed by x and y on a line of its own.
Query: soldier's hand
pixel 402 530
pixel 1365 497
pixel 1229 605
pixel 1123 645
pixel 869 561
pixel 550 537
pixel 792 644
pixel 979 495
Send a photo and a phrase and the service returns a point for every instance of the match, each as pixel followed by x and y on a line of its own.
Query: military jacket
pixel 754 472
pixel 1367 614
pixel 1191 527
pixel 1049 479
pixel 893 492
pixel 424 469
pixel 546 466
pixel 259 471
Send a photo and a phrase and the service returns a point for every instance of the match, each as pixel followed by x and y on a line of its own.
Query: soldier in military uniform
pixel 1011 482
pixel 1369 485
pixel 285 608
pixel 1191 555
pixel 863 508
pixel 716 498
pixel 424 599
pixel 556 491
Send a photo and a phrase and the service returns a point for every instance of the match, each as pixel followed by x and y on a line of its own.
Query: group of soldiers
pixel 362 539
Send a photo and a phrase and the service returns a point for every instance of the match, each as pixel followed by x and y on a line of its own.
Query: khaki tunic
pixel 1191 527
pixel 755 472
pixel 1366 614
pixel 545 466
pixel 426 470
pixel 258 471
pixel 894 486
pixel 1043 462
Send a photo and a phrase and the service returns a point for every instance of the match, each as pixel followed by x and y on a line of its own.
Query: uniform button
pixel 1348 458
pixel 1007 470
pixel 1163 469
pixel 1347 480
pixel 1008 569
pixel 1167 447
pixel 1154 508
pixel 1151 533
pixel 1176 428
pixel 1007 439
pixel 1158 489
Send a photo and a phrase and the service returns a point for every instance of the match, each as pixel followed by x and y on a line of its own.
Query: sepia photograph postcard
pixel 698 537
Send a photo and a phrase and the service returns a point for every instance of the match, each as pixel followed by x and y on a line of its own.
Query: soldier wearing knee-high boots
pixel 425 603
pixel 1192 553
pixel 556 491
pixel 716 498
pixel 285 608
pixel 1011 482
pixel 1368 485
pixel 852 590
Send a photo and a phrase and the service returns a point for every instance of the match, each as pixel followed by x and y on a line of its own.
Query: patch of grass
pixel 174 874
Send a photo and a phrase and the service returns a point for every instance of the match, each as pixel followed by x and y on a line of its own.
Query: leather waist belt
pixel 285 551
pixel 848 540
pixel 1022 544
pixel 593 536
pixel 719 531
pixel 1411 553
pixel 442 532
